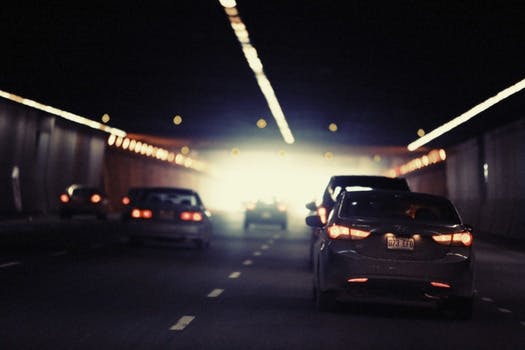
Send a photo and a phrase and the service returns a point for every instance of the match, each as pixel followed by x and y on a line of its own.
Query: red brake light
pixel 358 280
pixel 343 232
pixel 64 198
pixel 141 213
pixel 462 238
pixel 440 284
pixel 125 200
pixel 321 211
pixel 191 216
pixel 96 198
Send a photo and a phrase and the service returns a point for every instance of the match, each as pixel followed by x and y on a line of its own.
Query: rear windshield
pixel 168 197
pixel 395 206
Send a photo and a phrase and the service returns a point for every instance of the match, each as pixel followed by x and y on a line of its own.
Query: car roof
pixel 162 189
pixel 402 194
pixel 373 181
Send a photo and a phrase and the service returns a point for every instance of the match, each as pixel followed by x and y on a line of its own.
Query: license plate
pixel 400 243
pixel 266 215
pixel 166 214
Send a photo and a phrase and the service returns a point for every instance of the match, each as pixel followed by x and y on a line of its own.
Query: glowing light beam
pixel 467 115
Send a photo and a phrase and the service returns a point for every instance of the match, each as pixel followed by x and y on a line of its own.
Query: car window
pixel 383 206
pixel 167 197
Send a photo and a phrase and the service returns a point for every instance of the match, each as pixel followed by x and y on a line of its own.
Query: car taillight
pixel 322 213
pixel 64 198
pixel 461 238
pixel 191 216
pixel 141 213
pixel 96 198
pixel 125 200
pixel 344 232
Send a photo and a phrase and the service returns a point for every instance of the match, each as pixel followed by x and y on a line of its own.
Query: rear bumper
pixel 169 231
pixel 393 280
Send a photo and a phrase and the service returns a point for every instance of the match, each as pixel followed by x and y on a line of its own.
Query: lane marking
pixel 59 253
pixel 215 293
pixel 10 263
pixel 488 300
pixel 235 274
pixel 505 311
pixel 264 247
pixel 182 323
pixel 247 262
pixel 257 253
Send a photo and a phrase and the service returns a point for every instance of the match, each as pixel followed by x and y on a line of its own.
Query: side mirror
pixel 311 206
pixel 314 221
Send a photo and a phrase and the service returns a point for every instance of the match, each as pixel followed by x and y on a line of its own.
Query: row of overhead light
pixel 148 150
pixel 432 157
pixel 117 137
pixel 63 114
pixel 256 66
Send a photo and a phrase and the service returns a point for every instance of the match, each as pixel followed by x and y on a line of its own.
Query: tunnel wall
pixel 40 155
pixel 485 178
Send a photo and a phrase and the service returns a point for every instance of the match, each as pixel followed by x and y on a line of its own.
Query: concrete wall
pixel 40 155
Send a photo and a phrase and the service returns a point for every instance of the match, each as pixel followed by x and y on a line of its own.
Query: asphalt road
pixel 79 285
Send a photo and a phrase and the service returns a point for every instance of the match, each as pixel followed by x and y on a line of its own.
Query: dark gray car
pixel 394 246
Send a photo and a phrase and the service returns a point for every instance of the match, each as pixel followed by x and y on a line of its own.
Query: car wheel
pixel 201 244
pixel 459 308
pixel 246 225
pixel 65 215
pixel 135 242
pixel 324 301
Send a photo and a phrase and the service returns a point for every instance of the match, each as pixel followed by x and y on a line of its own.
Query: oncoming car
pixel 83 200
pixel 167 213
pixel 393 246
pixel 266 211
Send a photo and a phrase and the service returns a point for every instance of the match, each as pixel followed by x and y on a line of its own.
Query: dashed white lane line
pixel 59 253
pixel 235 274
pixel 215 293
pixel 505 311
pixel 264 247
pixel 488 300
pixel 10 263
pixel 257 253
pixel 247 262
pixel 182 323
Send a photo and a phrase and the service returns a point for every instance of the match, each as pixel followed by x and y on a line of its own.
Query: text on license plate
pixel 400 243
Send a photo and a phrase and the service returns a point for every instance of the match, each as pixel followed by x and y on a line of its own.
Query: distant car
pixel 167 213
pixel 270 211
pixel 83 200
pixel 339 183
pixel 394 246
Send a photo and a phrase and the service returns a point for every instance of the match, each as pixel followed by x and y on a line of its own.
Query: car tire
pixel 246 226
pixel 324 301
pixel 459 308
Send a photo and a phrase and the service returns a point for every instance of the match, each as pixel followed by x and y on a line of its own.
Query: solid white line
pixel 11 263
pixel 215 293
pixel 182 323
pixel 488 300
pixel 264 247
pixel 59 253
pixel 505 311
pixel 235 274
pixel 257 253
pixel 247 262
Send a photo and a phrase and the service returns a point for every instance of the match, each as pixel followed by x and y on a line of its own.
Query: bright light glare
pixel 467 115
